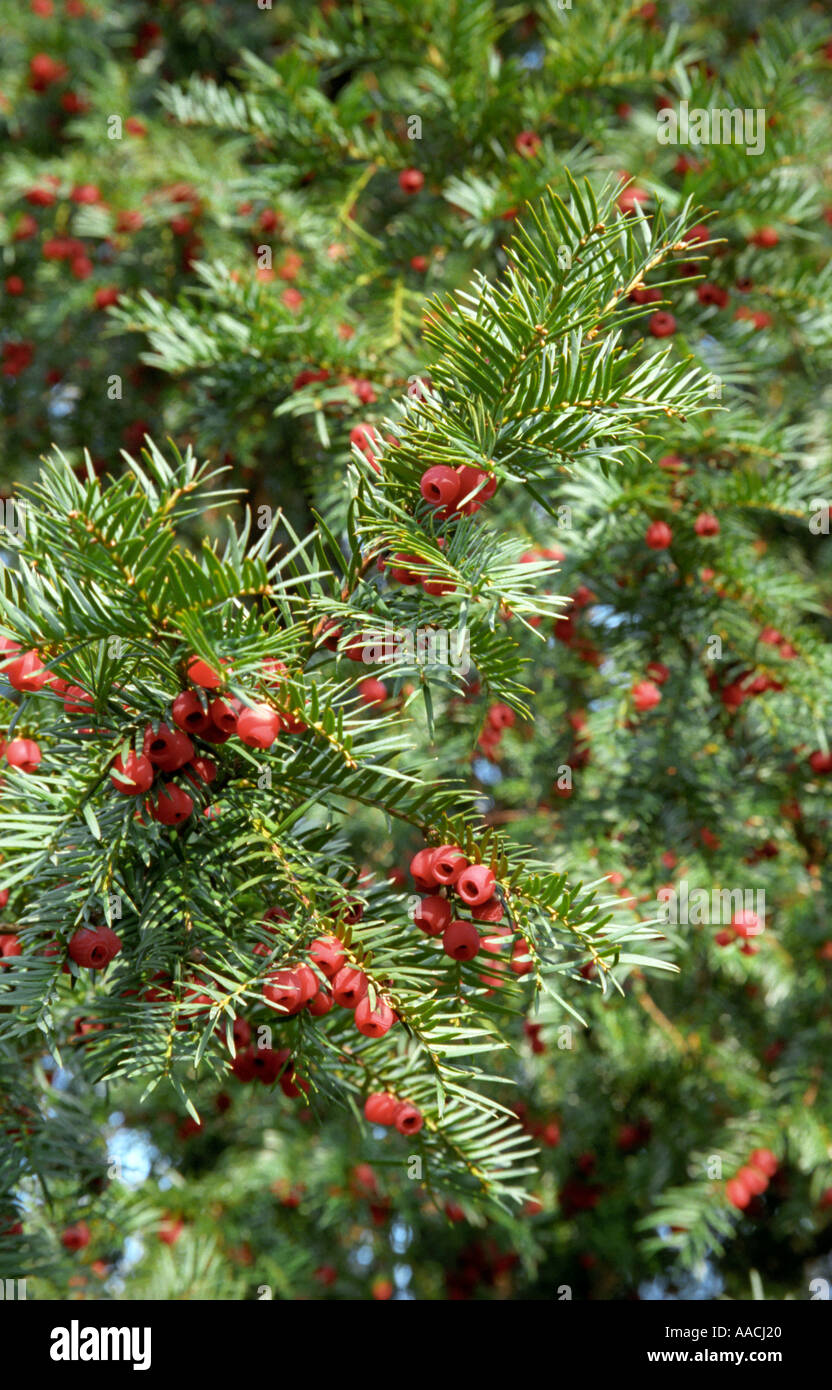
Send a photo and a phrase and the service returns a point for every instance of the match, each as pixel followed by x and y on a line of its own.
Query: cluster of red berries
pixel 381 1108
pixel 446 869
pixel 25 672
pixel 498 718
pixel 742 927
pixel 752 1179
pixel 566 629
pixel 743 687
pixel 547 1131
pixel 64 248
pixel 397 568
pixel 297 987
pixel 265 1064
pixel 459 491
pixel 164 750
pixel 168 750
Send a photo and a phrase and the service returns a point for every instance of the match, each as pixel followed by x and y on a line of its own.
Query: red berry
pixel 408 1119
pixel 501 716
pixel 188 714
pixel 85 193
pixel 328 954
pixel 820 762
pixel 737 1193
pixel 134 776
pixel 476 486
pixel 433 915
pixel 747 924
pixel 658 535
pixel 203 768
pixel 421 868
pixel 9 947
pixel 213 734
pixel 628 1137
pixel 766 1161
pixel 93 948
pixel 225 714
pixel 411 180
pixel 168 749
pixel 706 525
pixel 646 695
pixel 712 294
pixel 308 982
pixel 23 753
pixel 43 71
pixel 521 962
pixel 752 1179
pixel 765 237
pixel 106 297
pixel 630 197
pixel 268 1063
pixel 475 884
pixel 658 673
pixel 366 438
pixel 372 691
pixel 448 863
pixel 662 324
pixel 203 674
pixel 170 1230
pixel 76 1237
pixel 285 989
pixel 373 1023
pixel 489 911
pixel 349 987
pixel 171 805
pixel 380 1108
pixel 258 726
pixel 440 485
pixel 77 700
pixel 527 143
pixel 320 1003
pixel 461 940
pixel 25 672
pixel 243 1064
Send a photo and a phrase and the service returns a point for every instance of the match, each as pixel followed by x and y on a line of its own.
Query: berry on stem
pixel 349 987
pixel 475 885
pixel 133 776
pixel 380 1108
pixel 461 940
pixel 373 1023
